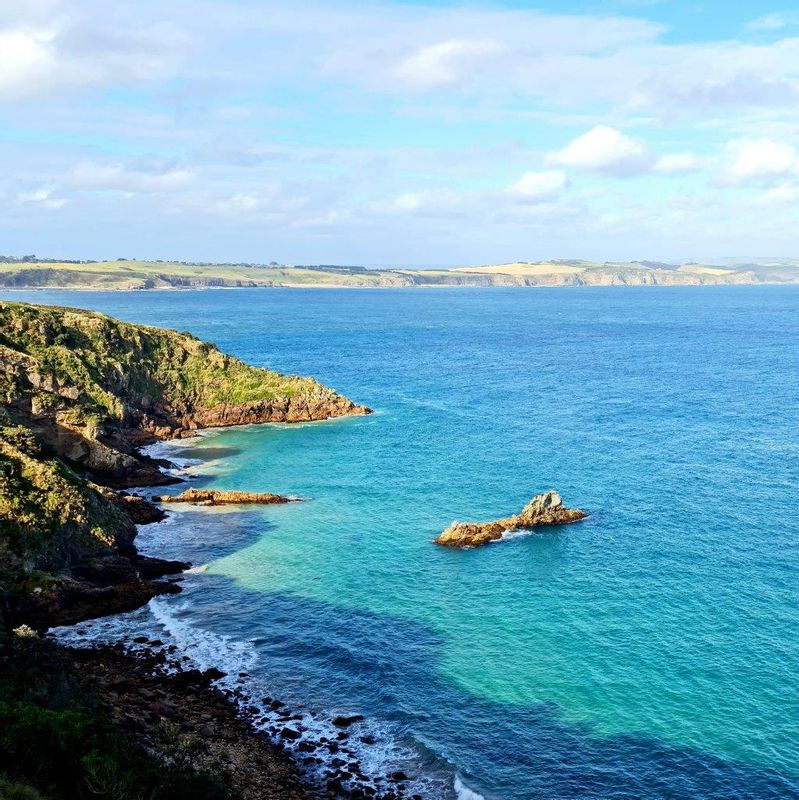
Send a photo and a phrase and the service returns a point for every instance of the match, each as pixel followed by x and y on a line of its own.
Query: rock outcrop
pixel 67 548
pixel 543 509
pixel 214 497
pixel 79 394
pixel 95 389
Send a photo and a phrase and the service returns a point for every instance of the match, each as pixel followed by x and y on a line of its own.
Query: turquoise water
pixel 650 651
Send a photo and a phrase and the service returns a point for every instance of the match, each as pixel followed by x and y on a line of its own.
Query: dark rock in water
pixel 307 747
pixel 148 567
pixel 543 509
pixel 335 787
pixel 290 734
pixel 345 722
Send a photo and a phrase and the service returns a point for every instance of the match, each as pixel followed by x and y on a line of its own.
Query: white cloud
pixel 538 186
pixel 27 59
pixel 759 160
pixel 604 150
pixel 447 62
pixel 677 164
pixel 42 198
pixel 119 177
pixel 784 194
pixel 427 203
pixel 41 53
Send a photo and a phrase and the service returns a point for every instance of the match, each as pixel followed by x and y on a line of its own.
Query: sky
pixel 399 133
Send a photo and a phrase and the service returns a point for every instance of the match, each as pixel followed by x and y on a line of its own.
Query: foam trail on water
pixel 463 792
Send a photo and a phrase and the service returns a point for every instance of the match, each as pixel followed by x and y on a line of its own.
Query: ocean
pixel 651 651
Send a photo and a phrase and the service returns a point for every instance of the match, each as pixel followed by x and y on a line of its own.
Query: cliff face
pixel 79 392
pixel 66 545
pixel 95 388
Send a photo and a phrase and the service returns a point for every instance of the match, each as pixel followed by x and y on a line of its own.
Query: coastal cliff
pixel 543 509
pixel 148 275
pixel 94 389
pixel 66 545
pixel 80 392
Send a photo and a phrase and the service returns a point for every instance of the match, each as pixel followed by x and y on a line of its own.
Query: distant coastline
pixel 127 275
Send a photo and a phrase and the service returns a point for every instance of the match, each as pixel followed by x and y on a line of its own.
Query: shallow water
pixel 650 651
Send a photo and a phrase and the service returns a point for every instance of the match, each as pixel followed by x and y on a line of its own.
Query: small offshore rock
pixel 543 509
pixel 345 722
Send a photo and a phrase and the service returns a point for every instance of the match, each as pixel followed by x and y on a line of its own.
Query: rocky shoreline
pixel 80 395
pixel 151 705
pixel 149 687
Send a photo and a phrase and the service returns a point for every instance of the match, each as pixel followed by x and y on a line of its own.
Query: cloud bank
pixel 385 133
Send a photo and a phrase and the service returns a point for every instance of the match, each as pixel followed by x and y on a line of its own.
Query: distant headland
pixel 30 272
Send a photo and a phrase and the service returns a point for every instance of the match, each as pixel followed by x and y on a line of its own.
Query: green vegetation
pixel 50 518
pixel 89 369
pixel 48 515
pixel 58 742
pixel 130 274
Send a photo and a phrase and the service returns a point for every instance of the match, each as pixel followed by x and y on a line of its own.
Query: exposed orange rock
pixel 213 497
pixel 543 509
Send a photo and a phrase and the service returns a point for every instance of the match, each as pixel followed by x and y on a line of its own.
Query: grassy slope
pixel 48 515
pixel 91 367
pixel 155 275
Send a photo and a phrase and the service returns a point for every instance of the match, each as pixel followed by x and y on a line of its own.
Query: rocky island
pixel 80 393
pixel 543 509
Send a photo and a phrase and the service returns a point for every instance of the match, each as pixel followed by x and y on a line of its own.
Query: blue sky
pixel 415 133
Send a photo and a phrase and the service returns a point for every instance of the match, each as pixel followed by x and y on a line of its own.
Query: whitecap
pixel 463 792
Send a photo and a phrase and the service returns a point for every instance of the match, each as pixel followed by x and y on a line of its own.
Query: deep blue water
pixel 648 652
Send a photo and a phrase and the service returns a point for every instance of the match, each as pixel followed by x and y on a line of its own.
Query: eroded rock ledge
pixel 213 497
pixel 543 509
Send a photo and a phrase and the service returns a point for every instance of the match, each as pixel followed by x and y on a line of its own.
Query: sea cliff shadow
pixel 387 668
